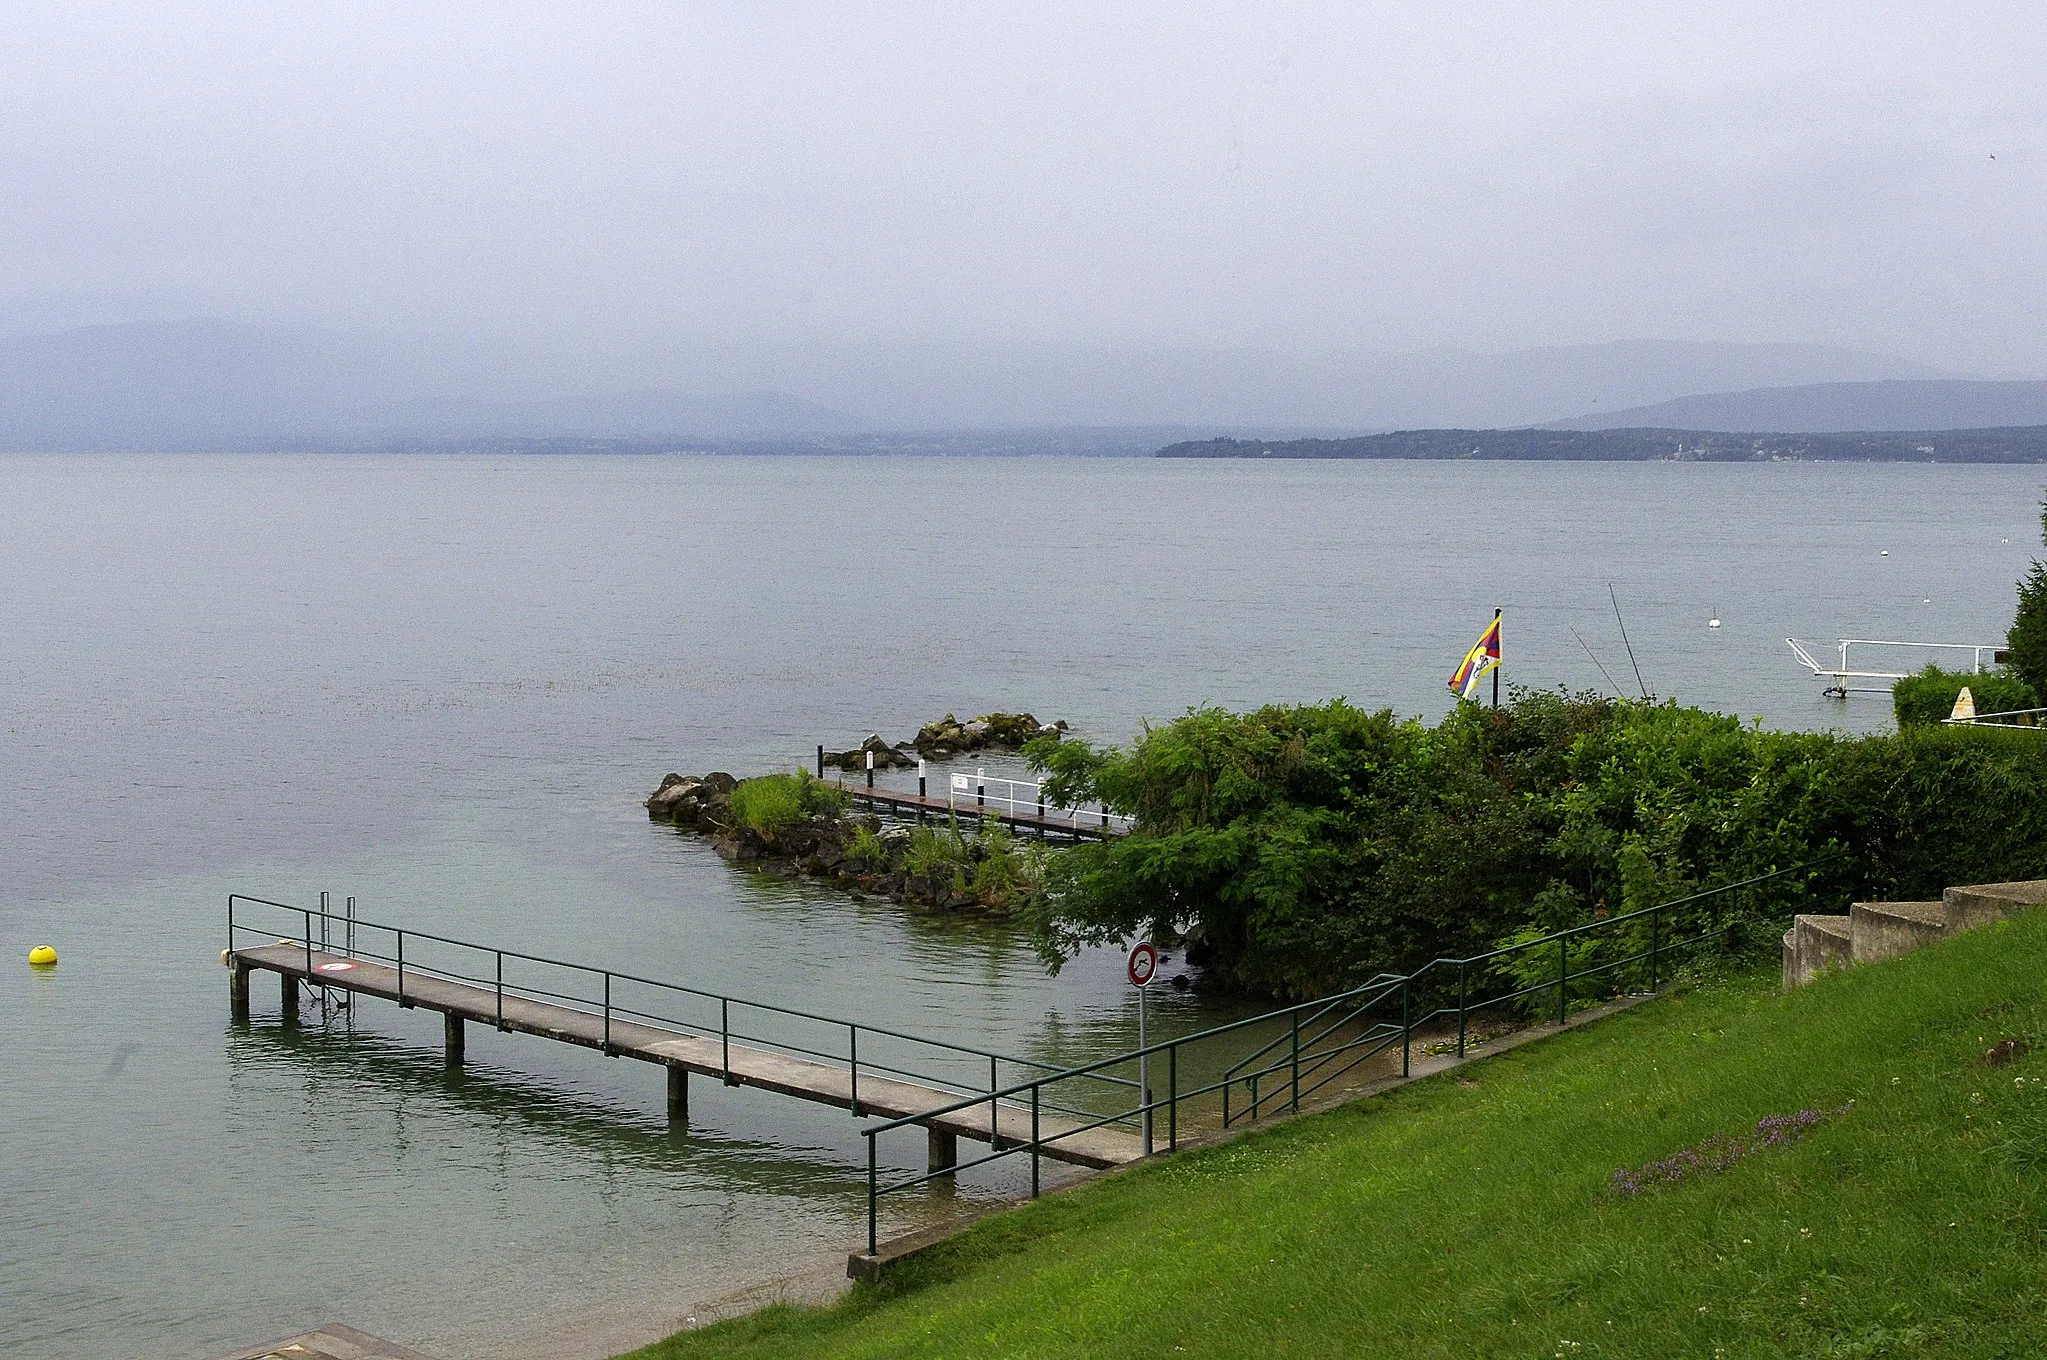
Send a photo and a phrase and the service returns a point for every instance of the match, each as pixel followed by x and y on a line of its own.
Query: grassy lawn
pixel 1472 1214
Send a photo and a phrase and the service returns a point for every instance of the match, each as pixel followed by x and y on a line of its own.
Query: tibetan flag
pixel 1483 656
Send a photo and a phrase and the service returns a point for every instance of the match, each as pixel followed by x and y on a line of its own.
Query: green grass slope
pixel 1473 1215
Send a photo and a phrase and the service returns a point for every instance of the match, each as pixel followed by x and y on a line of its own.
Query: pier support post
pixel 944 1148
pixel 237 989
pixel 678 1097
pixel 453 1033
pixel 288 997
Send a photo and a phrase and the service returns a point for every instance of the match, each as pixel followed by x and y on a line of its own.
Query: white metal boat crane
pixel 1839 677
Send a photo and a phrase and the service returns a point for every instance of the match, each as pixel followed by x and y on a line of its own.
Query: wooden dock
pixel 1084 826
pixel 682 1052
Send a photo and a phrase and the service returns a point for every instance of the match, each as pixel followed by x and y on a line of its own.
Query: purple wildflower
pixel 1720 1151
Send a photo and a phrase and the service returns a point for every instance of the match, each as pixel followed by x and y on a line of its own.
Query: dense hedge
pixel 1929 697
pixel 1301 849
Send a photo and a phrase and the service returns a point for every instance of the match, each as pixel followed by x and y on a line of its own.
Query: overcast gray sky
pixel 773 176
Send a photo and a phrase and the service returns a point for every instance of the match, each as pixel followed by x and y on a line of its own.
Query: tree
pixel 2027 640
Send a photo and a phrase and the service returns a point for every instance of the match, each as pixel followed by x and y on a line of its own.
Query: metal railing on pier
pixel 610 994
pixel 980 794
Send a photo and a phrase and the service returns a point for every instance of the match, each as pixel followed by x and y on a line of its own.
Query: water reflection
pixel 444 684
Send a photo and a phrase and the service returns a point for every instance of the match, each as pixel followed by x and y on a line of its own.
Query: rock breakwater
pixel 945 738
pixel 798 824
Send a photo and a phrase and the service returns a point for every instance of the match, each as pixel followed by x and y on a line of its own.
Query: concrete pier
pixel 331 1342
pixel 944 1148
pixel 288 997
pixel 453 1036
pixel 678 1097
pixel 710 1054
pixel 237 989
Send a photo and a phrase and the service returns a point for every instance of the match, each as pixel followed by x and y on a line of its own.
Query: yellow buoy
pixel 42 956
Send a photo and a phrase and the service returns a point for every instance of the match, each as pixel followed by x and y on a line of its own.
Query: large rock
pixel 949 736
pixel 686 800
pixel 675 791
pixel 741 845
pixel 886 757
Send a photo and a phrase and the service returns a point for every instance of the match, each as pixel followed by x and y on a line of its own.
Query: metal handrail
pixel 1384 982
pixel 1841 674
pixel 496 983
pixel 1378 1038
pixel 1990 720
pixel 1031 804
pixel 1034 803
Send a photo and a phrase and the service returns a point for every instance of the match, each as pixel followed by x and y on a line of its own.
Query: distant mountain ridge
pixel 213 384
pixel 2013 444
pixel 1886 404
pixel 608 415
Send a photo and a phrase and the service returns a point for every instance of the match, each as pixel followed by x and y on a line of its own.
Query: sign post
pixel 1142 968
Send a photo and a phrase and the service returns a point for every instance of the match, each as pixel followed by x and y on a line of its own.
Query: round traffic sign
pixel 1143 966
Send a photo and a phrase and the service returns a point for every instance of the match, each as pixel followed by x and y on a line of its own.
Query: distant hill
pixel 1071 441
pixel 1306 389
pixel 1892 404
pixel 215 385
pixel 2010 444
pixel 607 415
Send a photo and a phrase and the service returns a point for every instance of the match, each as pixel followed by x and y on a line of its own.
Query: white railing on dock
pixel 1840 675
pixel 2031 719
pixel 978 792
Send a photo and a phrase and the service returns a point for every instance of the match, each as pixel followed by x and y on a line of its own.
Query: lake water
pixel 443 685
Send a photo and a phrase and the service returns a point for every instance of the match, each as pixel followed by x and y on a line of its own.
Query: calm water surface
pixel 444 684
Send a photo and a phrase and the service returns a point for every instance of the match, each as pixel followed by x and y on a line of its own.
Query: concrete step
pixel 1981 903
pixel 1884 930
pixel 1815 943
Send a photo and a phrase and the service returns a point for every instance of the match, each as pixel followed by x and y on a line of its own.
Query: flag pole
pixel 1503 656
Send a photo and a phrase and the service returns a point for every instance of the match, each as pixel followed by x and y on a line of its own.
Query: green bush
pixel 867 850
pixel 1929 697
pixel 935 851
pixel 772 803
pixel 2027 640
pixel 1302 849
pixel 1010 870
